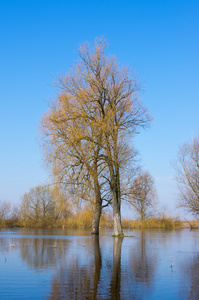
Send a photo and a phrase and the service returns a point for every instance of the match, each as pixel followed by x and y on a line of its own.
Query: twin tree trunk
pixel 115 194
pixel 116 214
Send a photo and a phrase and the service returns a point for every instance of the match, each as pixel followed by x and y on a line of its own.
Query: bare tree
pixel 38 207
pixel 84 130
pixel 187 166
pixel 143 195
pixel 5 212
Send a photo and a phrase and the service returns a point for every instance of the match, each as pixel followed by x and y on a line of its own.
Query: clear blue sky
pixel 159 40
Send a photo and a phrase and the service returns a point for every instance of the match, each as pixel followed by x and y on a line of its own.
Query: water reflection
pixel 106 277
pixel 80 277
pixel 190 278
pixel 143 262
pixel 97 265
pixel 43 253
pixel 85 267
pixel 116 270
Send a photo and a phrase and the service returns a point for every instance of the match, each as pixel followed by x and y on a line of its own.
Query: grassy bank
pixel 83 219
pixel 194 224
pixel 154 223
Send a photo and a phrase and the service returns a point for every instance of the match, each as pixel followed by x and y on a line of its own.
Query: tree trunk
pixel 97 208
pixel 142 217
pixel 116 215
pixel 96 218
pixel 115 190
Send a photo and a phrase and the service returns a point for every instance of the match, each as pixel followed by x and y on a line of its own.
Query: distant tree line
pixel 44 207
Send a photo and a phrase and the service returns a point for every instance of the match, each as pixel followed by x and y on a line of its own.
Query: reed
pixel 83 219
pixel 165 222
pixel 194 224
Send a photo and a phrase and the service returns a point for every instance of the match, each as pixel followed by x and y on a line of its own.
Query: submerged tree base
pixel 122 235
pixel 95 233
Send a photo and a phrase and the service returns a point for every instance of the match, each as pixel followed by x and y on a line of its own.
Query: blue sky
pixel 157 39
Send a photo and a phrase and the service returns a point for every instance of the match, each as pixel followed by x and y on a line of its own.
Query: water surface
pixel 68 264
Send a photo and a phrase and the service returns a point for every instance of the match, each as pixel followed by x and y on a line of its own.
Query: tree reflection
pixel 116 271
pixel 190 271
pixel 98 264
pixel 91 275
pixel 143 266
pixel 42 252
pixel 92 280
pixel 78 280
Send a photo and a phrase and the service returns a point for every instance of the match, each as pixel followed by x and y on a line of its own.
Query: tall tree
pixel 187 166
pixel 85 129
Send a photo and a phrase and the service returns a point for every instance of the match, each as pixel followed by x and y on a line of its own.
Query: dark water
pixel 63 264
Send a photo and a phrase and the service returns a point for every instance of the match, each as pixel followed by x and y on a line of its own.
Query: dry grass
pixel 194 224
pixel 83 219
pixel 165 222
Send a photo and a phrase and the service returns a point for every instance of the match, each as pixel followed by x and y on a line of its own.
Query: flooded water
pixel 65 264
